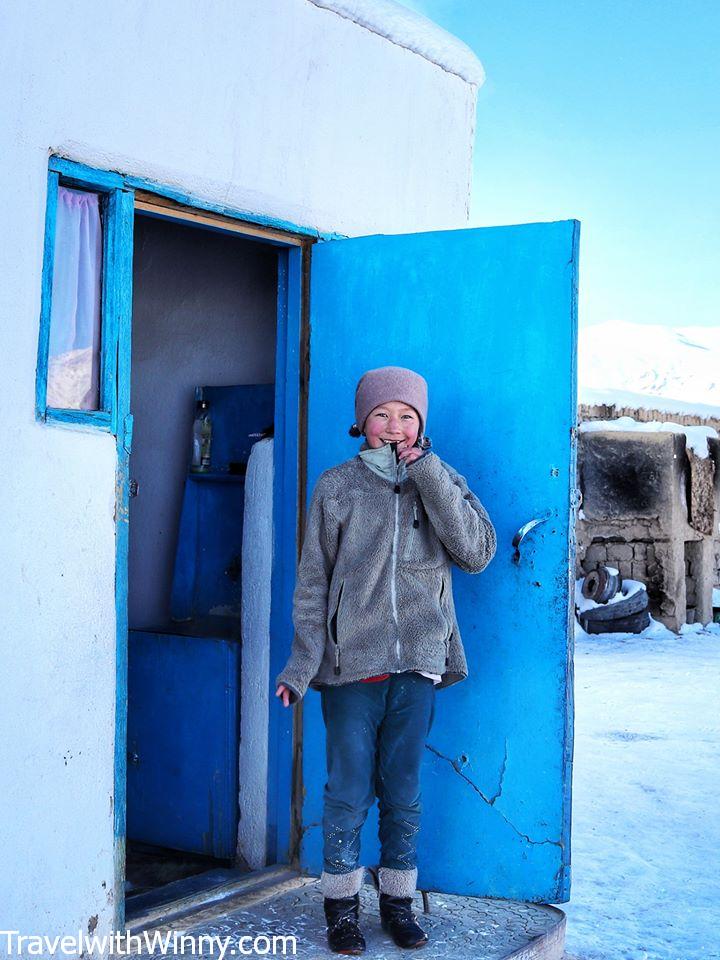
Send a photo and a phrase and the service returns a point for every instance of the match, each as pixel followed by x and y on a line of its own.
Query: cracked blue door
pixel 488 316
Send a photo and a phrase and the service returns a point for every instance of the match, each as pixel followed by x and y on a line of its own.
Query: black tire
pixel 600 585
pixel 635 603
pixel 635 623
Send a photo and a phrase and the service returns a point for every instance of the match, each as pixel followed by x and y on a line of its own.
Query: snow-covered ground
pixel 652 366
pixel 646 829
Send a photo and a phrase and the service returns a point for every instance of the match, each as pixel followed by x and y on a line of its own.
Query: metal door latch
pixel 525 530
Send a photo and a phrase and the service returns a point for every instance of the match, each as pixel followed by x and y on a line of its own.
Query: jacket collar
pixel 381 460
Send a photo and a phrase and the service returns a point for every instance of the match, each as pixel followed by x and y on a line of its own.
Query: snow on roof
pixel 413 31
pixel 696 436
pixel 649 366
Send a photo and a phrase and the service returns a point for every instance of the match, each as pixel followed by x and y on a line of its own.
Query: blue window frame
pixel 115 204
pixel 117 194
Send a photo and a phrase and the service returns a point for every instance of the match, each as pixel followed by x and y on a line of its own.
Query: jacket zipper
pixel 334 629
pixel 393 584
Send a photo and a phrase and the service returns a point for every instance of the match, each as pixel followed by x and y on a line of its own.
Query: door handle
pixel 524 530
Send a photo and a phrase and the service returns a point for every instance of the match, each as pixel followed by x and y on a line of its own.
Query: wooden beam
pixel 163 206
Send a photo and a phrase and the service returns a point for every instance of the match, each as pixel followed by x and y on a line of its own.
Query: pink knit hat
pixel 389 383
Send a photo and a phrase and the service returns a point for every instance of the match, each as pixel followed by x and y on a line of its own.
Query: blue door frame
pixel 285 511
pixel 292 242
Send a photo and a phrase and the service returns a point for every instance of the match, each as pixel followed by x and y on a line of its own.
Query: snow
pixel 645 833
pixel 697 436
pixel 413 31
pixel 652 366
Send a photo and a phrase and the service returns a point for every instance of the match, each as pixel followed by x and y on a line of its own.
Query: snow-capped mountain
pixel 647 365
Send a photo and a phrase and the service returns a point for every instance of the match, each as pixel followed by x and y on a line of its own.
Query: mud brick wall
pixel 610 411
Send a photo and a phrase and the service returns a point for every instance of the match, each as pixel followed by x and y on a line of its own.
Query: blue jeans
pixel 375 743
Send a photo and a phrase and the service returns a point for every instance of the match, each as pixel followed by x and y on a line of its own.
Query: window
pixel 86 295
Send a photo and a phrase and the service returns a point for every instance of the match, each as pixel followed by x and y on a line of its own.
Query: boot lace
pixel 345 918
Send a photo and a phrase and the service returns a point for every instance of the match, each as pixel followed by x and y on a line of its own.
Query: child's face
pixel 392 421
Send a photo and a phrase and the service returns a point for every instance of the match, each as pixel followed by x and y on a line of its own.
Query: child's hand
pixel 282 691
pixel 408 454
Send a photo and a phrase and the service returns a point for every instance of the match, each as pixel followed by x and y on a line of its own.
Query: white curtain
pixel 74 355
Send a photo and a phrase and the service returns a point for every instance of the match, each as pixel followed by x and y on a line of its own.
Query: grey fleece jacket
pixel 373 592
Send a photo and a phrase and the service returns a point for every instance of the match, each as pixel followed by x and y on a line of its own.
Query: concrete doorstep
pixel 458 927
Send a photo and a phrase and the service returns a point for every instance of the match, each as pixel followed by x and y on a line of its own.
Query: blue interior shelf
pixel 184 678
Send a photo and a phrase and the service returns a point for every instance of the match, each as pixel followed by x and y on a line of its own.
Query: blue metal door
pixel 488 316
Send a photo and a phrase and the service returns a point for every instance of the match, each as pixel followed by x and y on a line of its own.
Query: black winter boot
pixel 343 932
pixel 397 919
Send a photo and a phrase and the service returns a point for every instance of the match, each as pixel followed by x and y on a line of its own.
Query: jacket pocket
pixel 411 535
pixel 446 618
pixel 333 628
pixel 423 549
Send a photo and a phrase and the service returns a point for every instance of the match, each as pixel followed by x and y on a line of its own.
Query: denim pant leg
pixel 352 713
pixel 409 715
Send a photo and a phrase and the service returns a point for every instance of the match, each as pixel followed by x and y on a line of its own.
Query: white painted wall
pixel 280 107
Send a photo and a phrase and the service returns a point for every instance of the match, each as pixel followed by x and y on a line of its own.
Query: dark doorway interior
pixel 204 315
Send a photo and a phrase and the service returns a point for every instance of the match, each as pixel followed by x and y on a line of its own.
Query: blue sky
pixel 607 112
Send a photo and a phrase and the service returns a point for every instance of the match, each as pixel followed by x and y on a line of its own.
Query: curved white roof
pixel 413 31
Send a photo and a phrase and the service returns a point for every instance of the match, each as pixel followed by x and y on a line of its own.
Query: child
pixel 376 633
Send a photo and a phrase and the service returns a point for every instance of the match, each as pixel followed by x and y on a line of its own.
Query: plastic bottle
pixel 201 438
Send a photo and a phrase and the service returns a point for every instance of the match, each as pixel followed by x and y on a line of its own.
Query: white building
pixel 274 120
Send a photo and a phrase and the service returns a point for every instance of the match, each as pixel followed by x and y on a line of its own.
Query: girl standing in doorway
pixel 376 634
